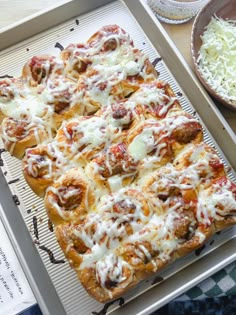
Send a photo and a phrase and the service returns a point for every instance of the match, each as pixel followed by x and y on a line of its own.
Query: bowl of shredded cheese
pixel 213 47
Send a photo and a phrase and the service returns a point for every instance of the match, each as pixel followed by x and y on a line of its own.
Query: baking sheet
pixel 72 296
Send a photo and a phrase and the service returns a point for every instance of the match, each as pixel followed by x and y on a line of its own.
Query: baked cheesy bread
pixel 126 177
pixel 81 80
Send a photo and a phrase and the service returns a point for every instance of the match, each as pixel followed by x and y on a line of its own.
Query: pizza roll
pixel 84 137
pixel 62 95
pixel 100 90
pixel 42 165
pixel 108 279
pixel 7 91
pixel 200 236
pixel 127 204
pixel 20 134
pixel 121 114
pixel 113 167
pixel 156 143
pixel 202 158
pixel 59 92
pixel 79 57
pixel 109 37
pixel 38 69
pixel 112 39
pixel 145 140
pixel 155 99
pixel 215 211
pixel 184 178
pixel 104 75
pixel 69 197
pixel 76 59
pixel 217 204
pixel 26 119
pixel 10 89
pixel 168 181
pixel 140 255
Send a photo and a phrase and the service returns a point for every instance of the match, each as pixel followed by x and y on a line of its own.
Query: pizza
pixel 125 174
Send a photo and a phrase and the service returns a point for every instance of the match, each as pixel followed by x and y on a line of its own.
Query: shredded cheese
pixel 217 57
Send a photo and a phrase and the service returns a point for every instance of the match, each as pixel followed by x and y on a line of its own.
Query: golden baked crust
pixel 69 198
pixel 42 165
pixel 81 80
pixel 126 177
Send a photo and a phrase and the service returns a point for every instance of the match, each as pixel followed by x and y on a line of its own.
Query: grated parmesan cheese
pixel 217 57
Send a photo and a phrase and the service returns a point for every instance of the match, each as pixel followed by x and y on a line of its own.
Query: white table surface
pixel 12 11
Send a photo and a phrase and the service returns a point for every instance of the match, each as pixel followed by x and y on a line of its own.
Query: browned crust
pixel 63 235
pixel 39 182
pixel 224 223
pixel 87 277
pixel 22 142
pixel 63 207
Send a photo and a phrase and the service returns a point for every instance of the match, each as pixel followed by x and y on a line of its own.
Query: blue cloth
pixel 33 310
pixel 225 305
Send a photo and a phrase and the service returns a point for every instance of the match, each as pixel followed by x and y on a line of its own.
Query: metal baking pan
pixel 55 286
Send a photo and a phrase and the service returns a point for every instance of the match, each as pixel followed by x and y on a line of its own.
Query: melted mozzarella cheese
pixel 158 231
pixel 106 237
pixel 200 236
pixel 29 105
pixel 152 95
pixel 115 182
pixel 110 268
pixel 151 136
pixel 109 68
pixel 58 88
pixel 214 202
pixel 142 145
pixel 110 225
pixel 170 177
pixel 44 163
pixel 88 134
